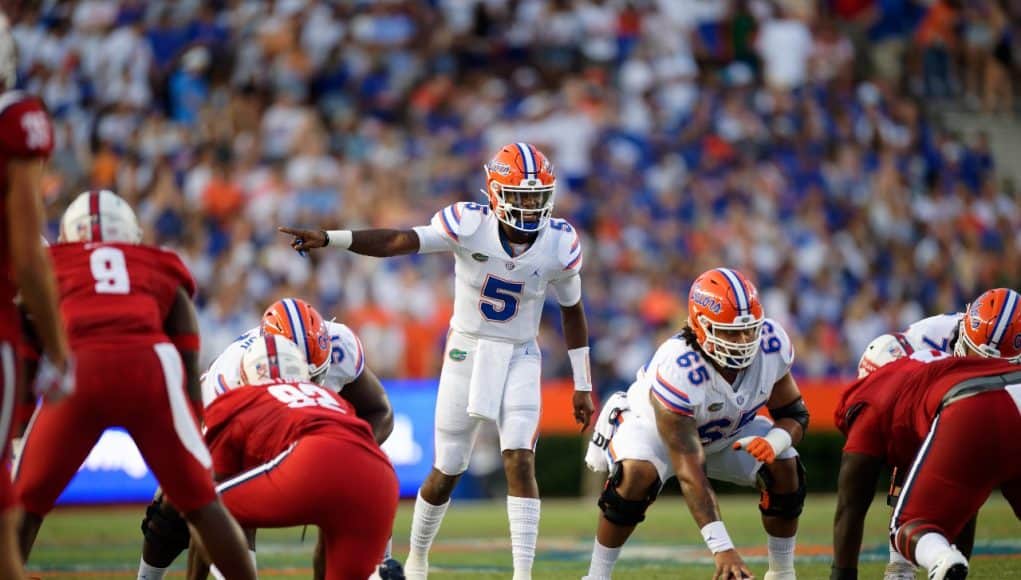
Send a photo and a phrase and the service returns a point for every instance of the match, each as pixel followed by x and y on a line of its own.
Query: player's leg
pixel 454 438
pixel 953 474
pixel 640 465
pixel 519 428
pixel 10 512
pixel 166 535
pixel 163 426
pixel 782 488
pixel 71 426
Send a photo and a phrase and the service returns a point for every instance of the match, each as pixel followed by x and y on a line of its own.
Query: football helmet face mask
pixel 99 216
pixel 991 326
pixel 8 56
pixel 521 186
pixel 883 349
pixel 726 316
pixel 297 321
pixel 273 359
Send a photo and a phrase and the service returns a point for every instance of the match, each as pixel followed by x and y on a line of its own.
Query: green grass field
pixel 473 543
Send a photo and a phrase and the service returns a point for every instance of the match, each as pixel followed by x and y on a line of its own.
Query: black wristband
pixel 843 573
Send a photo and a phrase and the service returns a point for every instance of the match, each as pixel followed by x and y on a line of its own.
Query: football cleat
pixel 521 185
pixel 991 326
pixel 952 565
pixel 726 316
pixel 390 569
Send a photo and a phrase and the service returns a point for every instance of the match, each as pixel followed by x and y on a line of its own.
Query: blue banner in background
pixel 115 472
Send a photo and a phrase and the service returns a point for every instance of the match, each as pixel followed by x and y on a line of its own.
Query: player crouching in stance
pixel 336 361
pixel 506 256
pixel 693 407
pixel 134 335
pixel 931 416
pixel 289 452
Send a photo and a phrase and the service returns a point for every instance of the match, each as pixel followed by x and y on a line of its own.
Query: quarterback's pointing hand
pixel 305 240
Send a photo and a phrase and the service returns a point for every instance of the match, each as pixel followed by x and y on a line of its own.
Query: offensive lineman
pixel 336 360
pixel 693 408
pixel 506 254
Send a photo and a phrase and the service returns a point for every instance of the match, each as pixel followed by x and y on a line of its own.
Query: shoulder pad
pixel 181 272
pixel 470 216
pixel 347 357
pixel 678 379
pixel 568 244
pixel 776 341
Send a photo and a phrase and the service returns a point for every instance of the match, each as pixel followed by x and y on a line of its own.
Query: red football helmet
pixel 297 321
pixel 991 326
pixel 521 185
pixel 725 314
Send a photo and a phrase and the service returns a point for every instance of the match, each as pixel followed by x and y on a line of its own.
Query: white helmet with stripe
pixel 100 216
pixel 273 359
pixel 8 55
pixel 883 350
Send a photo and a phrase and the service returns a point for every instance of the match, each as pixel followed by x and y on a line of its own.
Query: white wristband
pixel 580 368
pixel 779 439
pixel 339 239
pixel 716 537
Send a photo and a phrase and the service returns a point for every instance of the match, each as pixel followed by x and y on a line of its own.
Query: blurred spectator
pixel 786 139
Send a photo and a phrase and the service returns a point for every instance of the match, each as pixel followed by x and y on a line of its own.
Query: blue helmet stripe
pixel 526 156
pixel 738 287
pixel 297 326
pixel 1002 322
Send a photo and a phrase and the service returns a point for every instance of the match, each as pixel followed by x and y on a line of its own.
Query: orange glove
pixel 765 449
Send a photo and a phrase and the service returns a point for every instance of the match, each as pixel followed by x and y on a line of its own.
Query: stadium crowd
pixel 785 139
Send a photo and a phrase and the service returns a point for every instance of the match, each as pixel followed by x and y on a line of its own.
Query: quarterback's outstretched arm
pixel 856 486
pixel 380 243
pixel 680 435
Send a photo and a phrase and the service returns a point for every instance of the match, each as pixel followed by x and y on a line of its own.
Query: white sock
pixel 523 514
pixel 896 557
pixel 388 553
pixel 424 526
pixel 930 548
pixel 603 561
pixel 781 553
pixel 147 572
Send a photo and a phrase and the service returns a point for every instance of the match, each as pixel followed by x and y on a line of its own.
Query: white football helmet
pixel 8 56
pixel 100 216
pixel 883 349
pixel 273 359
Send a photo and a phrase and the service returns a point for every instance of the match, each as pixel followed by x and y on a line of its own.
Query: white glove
pixel 52 383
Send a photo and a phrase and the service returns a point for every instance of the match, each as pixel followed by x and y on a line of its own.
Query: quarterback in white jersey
pixel 693 412
pixel 506 255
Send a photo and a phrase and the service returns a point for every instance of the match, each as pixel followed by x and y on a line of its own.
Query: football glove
pixel 765 449
pixel 52 383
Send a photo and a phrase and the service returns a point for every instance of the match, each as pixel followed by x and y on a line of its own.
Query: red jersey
pixel 888 413
pixel 25 132
pixel 250 426
pixel 112 292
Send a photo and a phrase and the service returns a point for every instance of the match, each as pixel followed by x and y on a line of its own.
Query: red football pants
pixel 8 396
pixel 140 388
pixel 338 485
pixel 972 448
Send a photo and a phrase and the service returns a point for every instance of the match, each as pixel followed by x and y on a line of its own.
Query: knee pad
pixel 164 527
pixel 625 512
pixel 785 506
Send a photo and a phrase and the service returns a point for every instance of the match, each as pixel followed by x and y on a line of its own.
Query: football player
pixel 506 254
pixel 888 415
pixel 336 360
pixel 944 333
pixel 285 448
pixel 693 414
pixel 26 139
pixel 132 327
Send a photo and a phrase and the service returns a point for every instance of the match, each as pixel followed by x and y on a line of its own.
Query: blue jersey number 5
pixel 499 302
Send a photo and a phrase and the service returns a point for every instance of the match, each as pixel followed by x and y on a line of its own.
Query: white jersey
pixel 936 332
pixel 497 296
pixel 685 383
pixel 346 364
